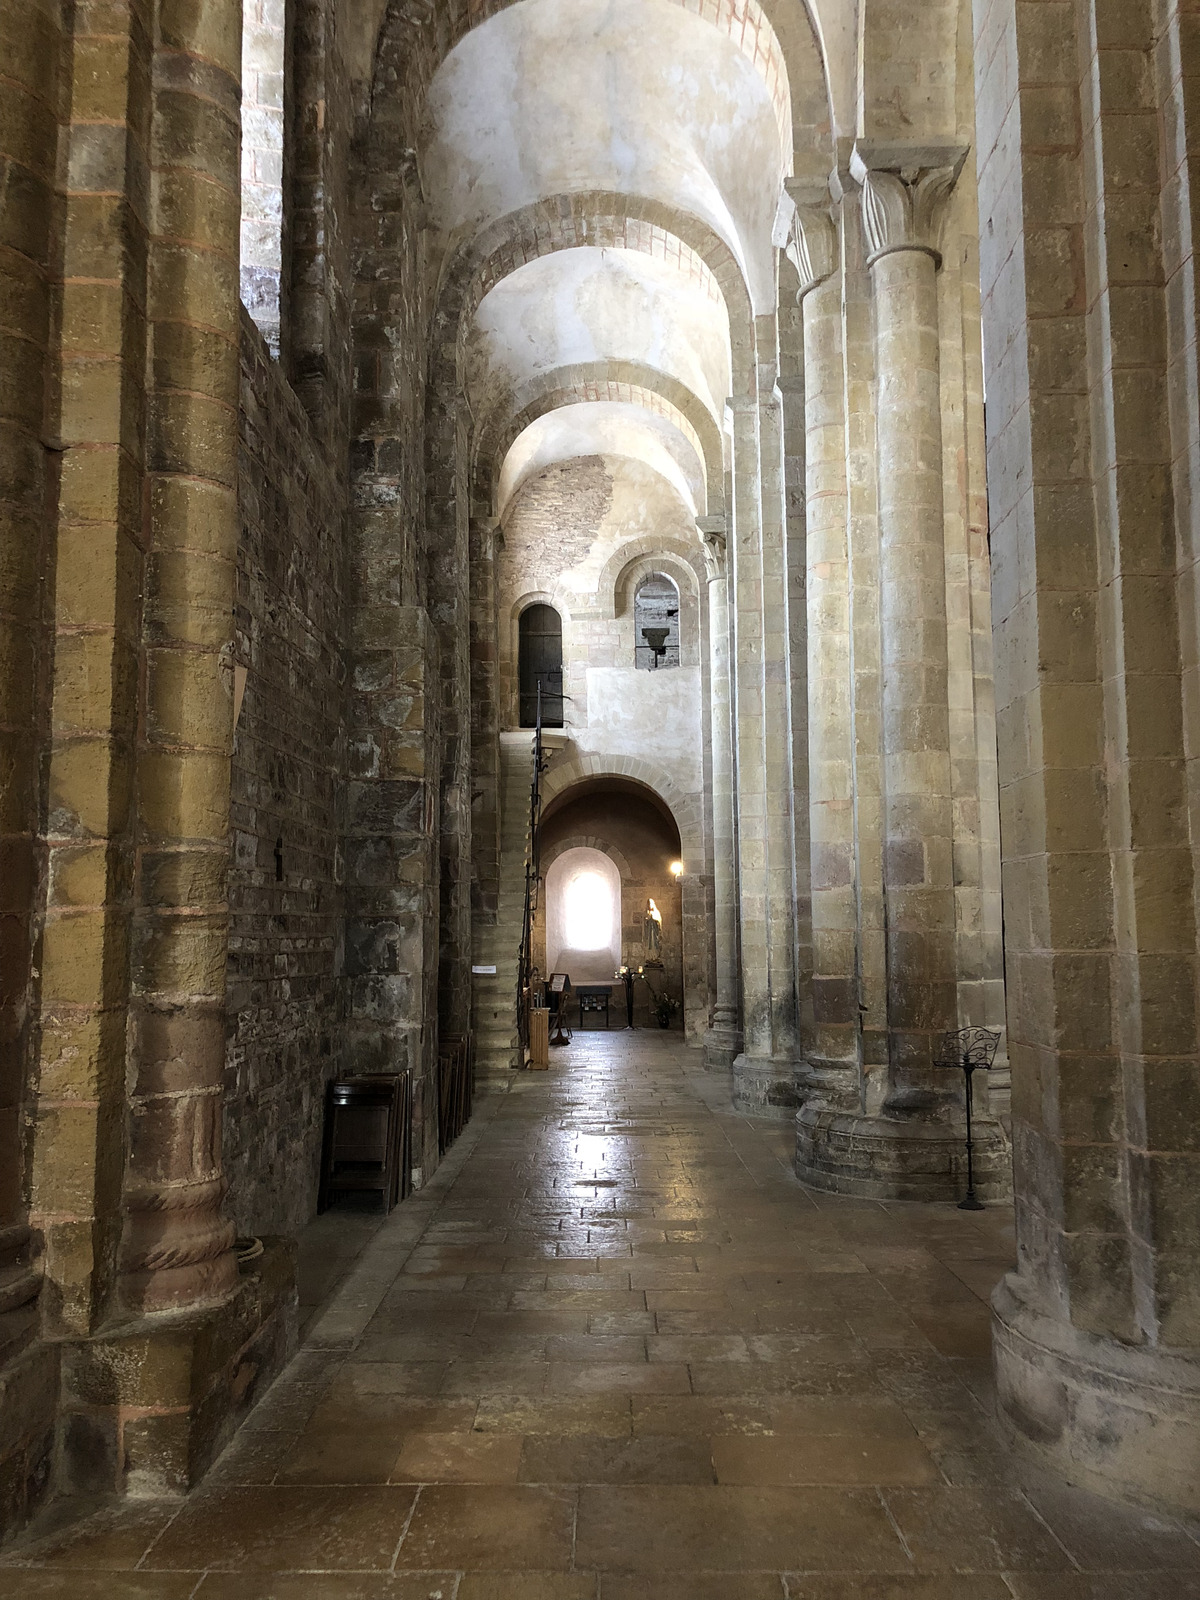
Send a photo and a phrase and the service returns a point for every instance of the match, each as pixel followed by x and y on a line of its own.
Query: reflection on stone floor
pixel 616 1351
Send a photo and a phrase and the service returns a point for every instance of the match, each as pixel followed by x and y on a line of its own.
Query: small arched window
pixel 540 666
pixel 656 624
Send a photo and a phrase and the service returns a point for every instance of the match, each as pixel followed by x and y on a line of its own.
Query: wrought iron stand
pixel 969 1049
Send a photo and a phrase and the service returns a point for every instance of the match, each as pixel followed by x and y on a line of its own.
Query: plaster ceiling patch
pixel 579 307
pixel 639 97
pixel 604 429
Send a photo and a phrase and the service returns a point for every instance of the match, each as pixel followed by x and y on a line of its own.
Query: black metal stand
pixel 970 1202
pixel 966 1049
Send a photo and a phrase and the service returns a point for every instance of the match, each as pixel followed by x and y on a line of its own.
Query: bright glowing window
pixel 589 912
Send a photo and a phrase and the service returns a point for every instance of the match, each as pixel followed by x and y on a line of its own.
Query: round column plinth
pixel 767 1086
pixel 895 1158
pixel 1114 1418
pixel 721 1046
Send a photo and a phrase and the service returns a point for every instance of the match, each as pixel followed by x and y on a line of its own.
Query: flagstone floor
pixel 613 1352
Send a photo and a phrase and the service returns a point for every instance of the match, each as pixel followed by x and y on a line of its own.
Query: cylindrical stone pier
pixel 176 1248
pixel 918 809
pixel 833 1054
pixel 723 1038
pixel 764 1074
pixel 907 1143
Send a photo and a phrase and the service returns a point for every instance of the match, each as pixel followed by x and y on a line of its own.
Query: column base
pixel 767 1086
pixel 721 1047
pixel 28 1406
pixel 898 1158
pixel 147 1407
pixel 1110 1417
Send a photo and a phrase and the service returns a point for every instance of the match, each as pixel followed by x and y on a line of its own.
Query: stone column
pixel 160 1340
pixel 833 1054
pixel 764 1074
pixel 485 725
pixel 777 734
pixel 176 1248
pixel 909 1145
pixel 29 141
pixel 747 729
pixel 723 1039
pixel 1090 312
pixel 447 587
pixel 901 216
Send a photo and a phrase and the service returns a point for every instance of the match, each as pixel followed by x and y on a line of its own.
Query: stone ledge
pixel 886 1158
pixel 1113 1418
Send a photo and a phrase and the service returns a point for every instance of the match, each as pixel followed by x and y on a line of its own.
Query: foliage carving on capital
pixel 712 532
pixel 811 246
pixel 904 208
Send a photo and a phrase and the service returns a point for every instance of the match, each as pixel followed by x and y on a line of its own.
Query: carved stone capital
pixel 812 240
pixel 712 531
pixel 904 197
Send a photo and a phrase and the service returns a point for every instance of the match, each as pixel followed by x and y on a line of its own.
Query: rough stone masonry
pixel 335 338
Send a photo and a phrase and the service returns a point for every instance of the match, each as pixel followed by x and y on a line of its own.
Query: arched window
pixel 583 915
pixel 263 70
pixel 656 624
pixel 540 666
pixel 588 912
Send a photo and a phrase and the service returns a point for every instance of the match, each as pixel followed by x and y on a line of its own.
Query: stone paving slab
pixel 616 1351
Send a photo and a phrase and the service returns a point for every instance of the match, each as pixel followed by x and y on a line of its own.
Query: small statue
pixel 653 933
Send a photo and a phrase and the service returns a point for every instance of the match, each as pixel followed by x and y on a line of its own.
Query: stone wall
pixel 286 896
pixel 581 537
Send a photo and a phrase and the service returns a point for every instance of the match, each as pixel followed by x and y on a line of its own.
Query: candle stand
pixel 968 1049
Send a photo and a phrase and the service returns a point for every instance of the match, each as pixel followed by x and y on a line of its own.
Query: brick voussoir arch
pixel 685 809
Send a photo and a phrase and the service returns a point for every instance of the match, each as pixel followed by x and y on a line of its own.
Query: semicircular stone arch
pixel 641 554
pixel 539 597
pixel 603 219
pixel 587 841
pixel 631 382
pixel 686 809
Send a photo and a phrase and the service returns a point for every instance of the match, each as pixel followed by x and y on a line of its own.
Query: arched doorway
pixel 620 829
pixel 540 667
